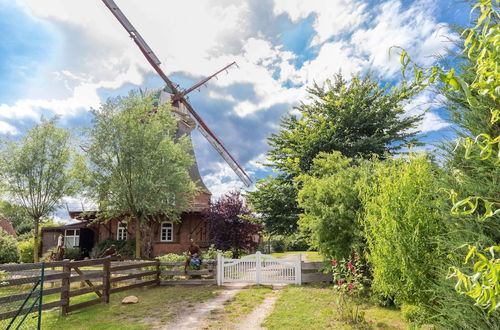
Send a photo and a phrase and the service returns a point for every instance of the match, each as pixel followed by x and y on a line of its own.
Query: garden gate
pixel 258 268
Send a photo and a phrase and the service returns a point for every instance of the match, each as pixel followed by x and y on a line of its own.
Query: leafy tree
pixel 275 200
pixel 137 165
pixel 37 172
pixel 359 119
pixel 231 225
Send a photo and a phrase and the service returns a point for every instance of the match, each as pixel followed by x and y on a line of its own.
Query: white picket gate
pixel 258 268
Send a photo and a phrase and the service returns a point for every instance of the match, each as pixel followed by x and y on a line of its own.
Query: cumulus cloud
pixel 196 38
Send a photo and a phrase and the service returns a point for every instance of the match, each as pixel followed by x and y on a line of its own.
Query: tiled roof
pixel 7 226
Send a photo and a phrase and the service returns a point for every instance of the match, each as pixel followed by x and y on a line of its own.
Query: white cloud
pixel 333 17
pixel 6 128
pixel 431 120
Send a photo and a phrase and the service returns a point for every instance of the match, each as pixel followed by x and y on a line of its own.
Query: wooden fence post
pixel 105 279
pixel 65 288
pixel 158 272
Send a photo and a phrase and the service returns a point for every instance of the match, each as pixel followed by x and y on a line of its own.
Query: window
pixel 72 238
pixel 167 231
pixel 121 234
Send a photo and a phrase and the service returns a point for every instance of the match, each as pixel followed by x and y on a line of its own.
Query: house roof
pixel 7 226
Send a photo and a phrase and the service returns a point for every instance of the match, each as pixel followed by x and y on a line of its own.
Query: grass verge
pixel 157 306
pixel 303 307
pixel 306 255
pixel 243 303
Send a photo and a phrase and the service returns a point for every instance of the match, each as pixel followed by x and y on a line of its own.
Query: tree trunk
pixel 36 258
pixel 137 238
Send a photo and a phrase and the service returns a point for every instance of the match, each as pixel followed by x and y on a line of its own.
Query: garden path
pixel 254 320
pixel 195 317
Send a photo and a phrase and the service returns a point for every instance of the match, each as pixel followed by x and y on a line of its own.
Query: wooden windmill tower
pixel 188 118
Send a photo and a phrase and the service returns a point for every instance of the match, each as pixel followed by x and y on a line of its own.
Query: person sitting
pixel 193 256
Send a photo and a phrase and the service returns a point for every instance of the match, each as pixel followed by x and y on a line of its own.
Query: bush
pixel 126 248
pixel 26 251
pixel 172 257
pixel 72 253
pixel 402 225
pixel 278 244
pixel 332 206
pixel 8 248
pixel 212 252
pixel 412 313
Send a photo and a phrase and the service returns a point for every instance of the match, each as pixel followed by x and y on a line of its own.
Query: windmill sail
pixel 178 97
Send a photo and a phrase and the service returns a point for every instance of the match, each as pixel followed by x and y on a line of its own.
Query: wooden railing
pixel 104 278
pixel 176 269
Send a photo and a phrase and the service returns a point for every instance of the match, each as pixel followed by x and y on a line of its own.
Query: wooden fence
pixel 103 278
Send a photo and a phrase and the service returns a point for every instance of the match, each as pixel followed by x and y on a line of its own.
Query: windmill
pixel 188 118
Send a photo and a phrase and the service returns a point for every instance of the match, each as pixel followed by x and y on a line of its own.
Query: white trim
pixel 167 228
pixel 121 231
pixel 74 239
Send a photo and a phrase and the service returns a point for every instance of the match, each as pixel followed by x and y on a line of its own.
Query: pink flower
pixel 334 263
pixel 349 264
pixel 354 271
pixel 356 256
pixel 339 282
pixel 350 286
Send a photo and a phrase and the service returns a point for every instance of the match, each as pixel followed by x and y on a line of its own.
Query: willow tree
pixel 36 172
pixel 137 164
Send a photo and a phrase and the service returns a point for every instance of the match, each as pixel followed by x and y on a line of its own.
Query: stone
pixel 130 300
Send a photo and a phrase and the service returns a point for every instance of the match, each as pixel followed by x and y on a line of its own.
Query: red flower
pixel 334 263
pixel 339 282
pixel 354 271
pixel 356 256
pixel 349 264
pixel 350 286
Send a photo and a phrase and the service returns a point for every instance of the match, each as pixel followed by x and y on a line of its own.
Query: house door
pixel 86 241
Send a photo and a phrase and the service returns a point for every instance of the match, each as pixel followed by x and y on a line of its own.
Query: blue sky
pixel 65 57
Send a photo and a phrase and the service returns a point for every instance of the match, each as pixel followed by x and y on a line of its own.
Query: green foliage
pixel 275 200
pixel 402 223
pixel 348 275
pixel 358 119
pixel 26 251
pixel 36 171
pixel 22 223
pixel 72 253
pixel 332 206
pixel 124 247
pixel 172 257
pixel 413 313
pixel 136 165
pixel 212 252
pixel 8 248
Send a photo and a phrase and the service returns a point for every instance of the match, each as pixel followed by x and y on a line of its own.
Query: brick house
pixel 166 236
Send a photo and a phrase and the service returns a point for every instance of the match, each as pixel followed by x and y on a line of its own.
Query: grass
pixel 306 255
pixel 157 306
pixel 243 303
pixel 300 307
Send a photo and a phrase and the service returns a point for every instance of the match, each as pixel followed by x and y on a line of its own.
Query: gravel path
pixel 196 317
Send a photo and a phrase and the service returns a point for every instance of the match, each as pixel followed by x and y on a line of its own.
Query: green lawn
pixel 235 309
pixel 303 307
pixel 306 255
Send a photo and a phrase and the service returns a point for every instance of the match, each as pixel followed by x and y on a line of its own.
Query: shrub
pixel 212 252
pixel 278 244
pixel 8 248
pixel 126 248
pixel 402 225
pixel 72 253
pixel 172 257
pixel 26 251
pixel 332 206
pixel 412 313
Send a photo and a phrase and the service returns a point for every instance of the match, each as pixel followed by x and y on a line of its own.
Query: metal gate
pixel 258 268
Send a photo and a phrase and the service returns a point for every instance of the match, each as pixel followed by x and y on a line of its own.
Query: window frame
pixel 171 228
pixel 123 229
pixel 75 238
